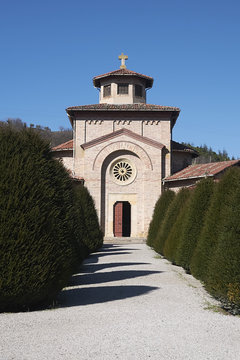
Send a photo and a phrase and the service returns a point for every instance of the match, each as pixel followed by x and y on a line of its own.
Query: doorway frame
pixel 111 200
pixel 125 219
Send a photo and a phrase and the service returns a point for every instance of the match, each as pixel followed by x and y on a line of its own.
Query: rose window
pixel 123 172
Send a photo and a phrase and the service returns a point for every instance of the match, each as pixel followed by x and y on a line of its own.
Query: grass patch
pixel 158 256
pixel 216 308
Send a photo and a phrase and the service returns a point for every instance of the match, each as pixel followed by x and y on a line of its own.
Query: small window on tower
pixel 107 90
pixel 138 90
pixel 122 89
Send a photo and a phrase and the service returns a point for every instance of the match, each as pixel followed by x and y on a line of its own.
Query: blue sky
pixel 51 50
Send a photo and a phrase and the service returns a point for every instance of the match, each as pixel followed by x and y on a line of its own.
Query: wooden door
pixel 122 219
pixel 118 219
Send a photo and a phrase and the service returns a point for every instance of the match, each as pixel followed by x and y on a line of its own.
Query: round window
pixel 123 172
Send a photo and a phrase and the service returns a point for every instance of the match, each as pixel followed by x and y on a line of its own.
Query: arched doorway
pixel 122 219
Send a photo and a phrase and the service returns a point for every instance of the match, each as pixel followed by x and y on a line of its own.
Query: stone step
pixel 124 240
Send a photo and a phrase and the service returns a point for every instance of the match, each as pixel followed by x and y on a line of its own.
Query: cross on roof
pixel 123 57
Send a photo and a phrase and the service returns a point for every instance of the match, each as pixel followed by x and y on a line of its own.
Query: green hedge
pixel 201 232
pixel 37 248
pixel 223 274
pixel 158 216
pixel 194 221
pixel 169 220
pixel 173 229
pixel 87 220
pixel 213 222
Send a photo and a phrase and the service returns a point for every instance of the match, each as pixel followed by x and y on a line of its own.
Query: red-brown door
pixel 122 219
pixel 118 219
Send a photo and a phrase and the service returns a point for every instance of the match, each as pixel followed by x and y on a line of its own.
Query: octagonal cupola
pixel 122 86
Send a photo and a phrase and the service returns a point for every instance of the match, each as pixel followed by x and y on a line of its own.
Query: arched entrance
pixel 122 219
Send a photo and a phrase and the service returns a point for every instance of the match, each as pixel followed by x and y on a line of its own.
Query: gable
pixel 118 133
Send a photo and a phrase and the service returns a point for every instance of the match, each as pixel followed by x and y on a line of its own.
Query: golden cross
pixel 123 57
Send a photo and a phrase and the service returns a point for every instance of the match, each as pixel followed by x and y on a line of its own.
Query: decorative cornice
pixel 121 107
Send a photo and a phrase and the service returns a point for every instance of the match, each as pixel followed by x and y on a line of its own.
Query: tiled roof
pixel 123 107
pixel 122 72
pixel 183 148
pixel 65 146
pixel 202 170
pixel 77 178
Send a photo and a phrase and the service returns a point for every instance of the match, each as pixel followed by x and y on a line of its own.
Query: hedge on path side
pixel 194 221
pixel 176 212
pixel 158 215
pixel 213 223
pixel 223 277
pixel 37 250
pixel 169 220
pixel 86 214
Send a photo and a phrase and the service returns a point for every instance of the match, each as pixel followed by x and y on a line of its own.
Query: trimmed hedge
pixel 223 275
pixel 37 242
pixel 174 228
pixel 194 222
pixel 211 229
pixel 87 220
pixel 169 220
pixel 158 216
pixel 201 232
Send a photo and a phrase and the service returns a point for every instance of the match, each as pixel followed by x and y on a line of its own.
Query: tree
pixel 194 222
pixel 173 226
pixel 37 247
pixel 158 216
pixel 210 232
pixel 206 154
pixel 223 275
pixel 87 219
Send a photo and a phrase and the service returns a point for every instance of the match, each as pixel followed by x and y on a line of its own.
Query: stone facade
pixel 122 147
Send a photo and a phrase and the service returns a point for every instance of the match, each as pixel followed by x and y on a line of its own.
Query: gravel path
pixel 127 304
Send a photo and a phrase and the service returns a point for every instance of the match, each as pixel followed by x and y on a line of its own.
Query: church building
pixel 123 149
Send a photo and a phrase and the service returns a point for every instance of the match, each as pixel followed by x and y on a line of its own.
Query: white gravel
pixel 127 304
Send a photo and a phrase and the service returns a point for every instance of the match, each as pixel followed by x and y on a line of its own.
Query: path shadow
pixel 105 248
pixel 101 294
pixel 93 258
pixel 99 278
pixel 91 268
pixel 117 252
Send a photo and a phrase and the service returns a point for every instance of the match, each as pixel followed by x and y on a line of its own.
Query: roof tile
pixel 202 170
pixel 122 72
pixel 65 146
pixel 123 107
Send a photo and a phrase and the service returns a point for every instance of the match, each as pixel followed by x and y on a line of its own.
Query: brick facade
pixel 132 134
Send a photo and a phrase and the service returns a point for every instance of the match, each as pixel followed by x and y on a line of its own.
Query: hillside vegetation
pixel 207 155
pixel 54 138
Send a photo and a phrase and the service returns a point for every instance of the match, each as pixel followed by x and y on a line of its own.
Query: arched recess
pixel 104 166
pixel 119 146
